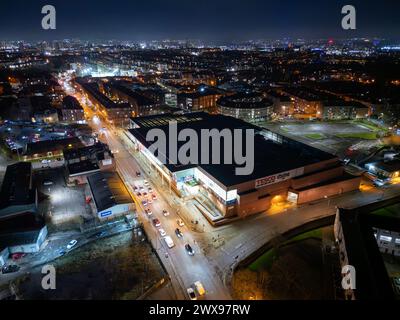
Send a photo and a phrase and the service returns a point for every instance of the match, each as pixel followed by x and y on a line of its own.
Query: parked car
pixel 148 212
pixel 178 233
pixel 154 197
pixel 72 244
pixel 162 232
pixel 150 200
pixel 189 249
pixel 191 294
pixel 138 194
pixel 10 269
pixel 144 202
pixel 156 222
pixel 62 252
pixel 138 174
pixel 180 222
pixel 165 213
pixel 150 190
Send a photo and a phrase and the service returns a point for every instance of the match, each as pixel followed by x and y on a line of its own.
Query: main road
pixel 182 268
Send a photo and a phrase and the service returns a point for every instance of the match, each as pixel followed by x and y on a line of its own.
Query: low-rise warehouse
pixel 109 195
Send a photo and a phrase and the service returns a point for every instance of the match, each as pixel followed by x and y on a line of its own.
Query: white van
pixel 169 242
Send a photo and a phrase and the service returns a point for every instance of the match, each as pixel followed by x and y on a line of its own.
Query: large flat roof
pixel 16 187
pixel 270 157
pixel 108 190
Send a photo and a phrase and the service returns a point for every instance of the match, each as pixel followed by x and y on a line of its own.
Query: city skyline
pixel 209 21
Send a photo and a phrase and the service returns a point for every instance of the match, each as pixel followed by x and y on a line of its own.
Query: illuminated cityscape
pixel 209 168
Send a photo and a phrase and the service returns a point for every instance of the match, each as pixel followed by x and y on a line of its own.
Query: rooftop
pixel 52 145
pixel 108 190
pixel 16 187
pixel 270 157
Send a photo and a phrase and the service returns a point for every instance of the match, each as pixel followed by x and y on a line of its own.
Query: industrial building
pixel 110 195
pixel 24 233
pixel 18 195
pixel 283 168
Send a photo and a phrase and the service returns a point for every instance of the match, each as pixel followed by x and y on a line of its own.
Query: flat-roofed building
pixel 110 195
pixel 24 233
pixel 366 237
pixel 283 168
pixel 17 193
pixel 251 107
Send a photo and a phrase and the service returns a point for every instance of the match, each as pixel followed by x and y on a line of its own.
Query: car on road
pixel 189 249
pixel 180 222
pixel 162 232
pixel 72 244
pixel 169 242
pixel 199 288
pixel 138 174
pixel 148 212
pixel 100 234
pixel 61 252
pixel 156 222
pixel 10 269
pixel 165 213
pixel 178 233
pixel 191 294
pixel 47 182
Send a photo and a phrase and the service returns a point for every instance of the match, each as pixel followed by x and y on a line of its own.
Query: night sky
pixel 223 20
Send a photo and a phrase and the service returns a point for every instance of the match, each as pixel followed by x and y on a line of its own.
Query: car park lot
pixel 62 206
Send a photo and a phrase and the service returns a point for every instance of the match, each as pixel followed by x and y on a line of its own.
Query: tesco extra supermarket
pixel 283 169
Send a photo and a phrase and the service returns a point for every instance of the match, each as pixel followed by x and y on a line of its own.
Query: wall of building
pixel 328 190
pixel 251 203
pixel 30 247
pixel 114 211
pixel 310 179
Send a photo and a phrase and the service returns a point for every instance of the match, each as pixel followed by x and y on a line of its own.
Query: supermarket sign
pixel 279 177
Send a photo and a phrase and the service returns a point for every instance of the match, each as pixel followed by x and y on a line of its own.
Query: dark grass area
pixel 113 268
